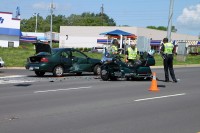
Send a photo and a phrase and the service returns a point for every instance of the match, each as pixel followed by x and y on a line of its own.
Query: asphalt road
pixel 86 104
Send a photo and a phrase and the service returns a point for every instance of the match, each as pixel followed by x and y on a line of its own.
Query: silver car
pixel 1 62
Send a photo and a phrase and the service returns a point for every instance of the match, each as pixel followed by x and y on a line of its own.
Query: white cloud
pixel 190 17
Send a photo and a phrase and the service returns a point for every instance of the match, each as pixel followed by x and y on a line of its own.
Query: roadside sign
pixel 181 51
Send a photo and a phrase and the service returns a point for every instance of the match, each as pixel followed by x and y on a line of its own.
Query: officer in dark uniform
pixel 167 51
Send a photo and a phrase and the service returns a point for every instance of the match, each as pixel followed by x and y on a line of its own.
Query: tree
pixel 90 19
pixel 85 19
pixel 151 27
pixel 162 28
pixel 57 22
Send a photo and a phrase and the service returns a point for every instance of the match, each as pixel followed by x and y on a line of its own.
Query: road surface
pixel 86 104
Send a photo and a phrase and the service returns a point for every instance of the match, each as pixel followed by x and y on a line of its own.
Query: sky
pixel 139 13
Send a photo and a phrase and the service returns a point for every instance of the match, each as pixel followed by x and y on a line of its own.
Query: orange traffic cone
pixel 154 86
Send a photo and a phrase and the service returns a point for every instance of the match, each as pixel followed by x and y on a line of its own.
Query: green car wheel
pixel 58 71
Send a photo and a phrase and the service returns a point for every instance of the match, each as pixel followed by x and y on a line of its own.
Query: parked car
pixel 61 60
pixel 97 49
pixel 1 62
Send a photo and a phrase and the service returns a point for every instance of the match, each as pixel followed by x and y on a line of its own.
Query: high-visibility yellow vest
pixel 132 54
pixel 113 49
pixel 168 48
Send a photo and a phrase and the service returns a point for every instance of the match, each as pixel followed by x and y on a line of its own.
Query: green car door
pixel 80 62
pixel 66 60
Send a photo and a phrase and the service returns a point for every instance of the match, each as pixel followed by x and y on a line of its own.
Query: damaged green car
pixel 61 60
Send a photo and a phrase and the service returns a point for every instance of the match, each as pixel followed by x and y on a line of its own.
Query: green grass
pixel 189 59
pixel 16 57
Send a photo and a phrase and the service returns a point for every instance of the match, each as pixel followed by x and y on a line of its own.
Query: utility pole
pixel 51 11
pixel 102 12
pixel 169 28
pixel 36 16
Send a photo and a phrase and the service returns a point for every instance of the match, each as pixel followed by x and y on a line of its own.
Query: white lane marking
pixel 151 98
pixel 15 81
pixel 13 76
pixel 67 89
pixel 9 80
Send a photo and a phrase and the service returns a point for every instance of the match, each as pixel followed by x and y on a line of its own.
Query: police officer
pixel 114 47
pixel 167 51
pixel 131 54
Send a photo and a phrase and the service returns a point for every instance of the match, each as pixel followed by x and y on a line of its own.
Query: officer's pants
pixel 168 65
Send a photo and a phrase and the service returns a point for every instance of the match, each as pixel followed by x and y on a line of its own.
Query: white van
pixel 97 49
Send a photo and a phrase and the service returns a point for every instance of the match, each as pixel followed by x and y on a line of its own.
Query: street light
pixel 36 15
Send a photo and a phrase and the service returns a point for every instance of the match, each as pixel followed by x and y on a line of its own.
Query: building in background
pixel 89 36
pixel 9 30
pixel 78 36
pixel 11 35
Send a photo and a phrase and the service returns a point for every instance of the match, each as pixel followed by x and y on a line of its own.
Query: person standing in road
pixel 131 54
pixel 167 51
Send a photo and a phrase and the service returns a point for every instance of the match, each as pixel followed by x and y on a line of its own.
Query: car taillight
pixel 44 60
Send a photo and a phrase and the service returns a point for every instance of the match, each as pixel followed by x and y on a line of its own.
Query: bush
pixel 89 49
